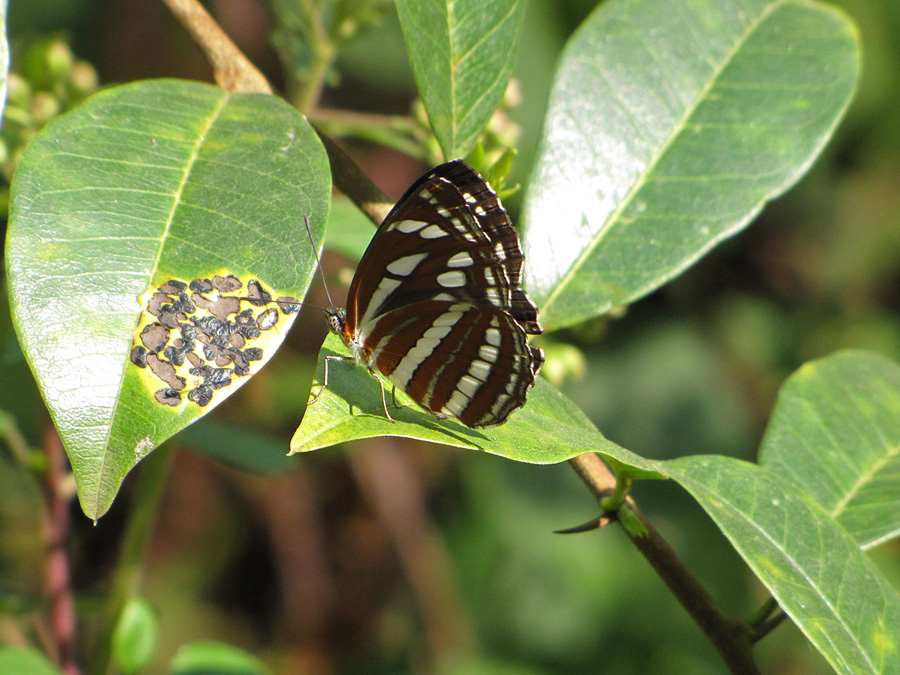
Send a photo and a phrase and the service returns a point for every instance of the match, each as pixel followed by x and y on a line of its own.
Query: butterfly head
pixel 337 320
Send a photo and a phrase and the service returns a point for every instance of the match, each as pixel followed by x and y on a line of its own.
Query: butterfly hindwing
pixel 457 360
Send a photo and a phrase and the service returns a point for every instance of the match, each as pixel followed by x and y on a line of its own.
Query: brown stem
pixel 387 477
pixel 733 639
pixel 350 179
pixel 360 119
pixel 129 569
pixel 307 592
pixel 58 577
pixel 594 473
pixel 233 71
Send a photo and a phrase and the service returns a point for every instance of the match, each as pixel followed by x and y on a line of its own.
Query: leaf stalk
pixel 733 639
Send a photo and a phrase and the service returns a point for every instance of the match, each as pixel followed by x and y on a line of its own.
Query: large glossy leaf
pixel 142 184
pixel 548 429
pixel 811 565
pixel 670 124
pixel 835 433
pixel 462 54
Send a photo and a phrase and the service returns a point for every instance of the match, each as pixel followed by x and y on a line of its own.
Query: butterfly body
pixel 435 304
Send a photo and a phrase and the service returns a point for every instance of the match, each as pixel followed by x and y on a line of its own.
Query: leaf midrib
pixel 176 202
pixel 452 74
pixel 657 157
pixel 865 478
pixel 735 511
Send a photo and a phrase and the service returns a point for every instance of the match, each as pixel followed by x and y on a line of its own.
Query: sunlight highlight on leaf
pixel 143 184
pixel 669 126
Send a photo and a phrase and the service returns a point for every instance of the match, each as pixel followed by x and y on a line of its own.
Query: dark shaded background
pixel 394 557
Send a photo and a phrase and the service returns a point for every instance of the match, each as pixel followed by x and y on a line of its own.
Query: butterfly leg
pixel 394 400
pixel 328 360
pixel 383 397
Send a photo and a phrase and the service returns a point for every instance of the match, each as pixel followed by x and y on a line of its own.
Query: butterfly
pixel 435 304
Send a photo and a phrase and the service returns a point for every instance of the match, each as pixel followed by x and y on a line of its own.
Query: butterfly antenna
pixel 318 261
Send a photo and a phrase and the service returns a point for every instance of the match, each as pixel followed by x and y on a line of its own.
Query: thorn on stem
pixel 593 524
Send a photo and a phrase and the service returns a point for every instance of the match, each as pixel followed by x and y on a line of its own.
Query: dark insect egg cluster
pixel 199 338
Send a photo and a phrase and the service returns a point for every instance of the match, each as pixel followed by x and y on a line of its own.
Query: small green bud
pixel 564 363
pixel 512 97
pixel 476 158
pixel 84 79
pixel 44 108
pixel 632 523
pixel 18 90
pixel 504 165
pixel 59 60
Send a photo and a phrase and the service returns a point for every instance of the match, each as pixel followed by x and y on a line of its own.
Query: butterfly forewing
pixel 429 247
pixel 435 303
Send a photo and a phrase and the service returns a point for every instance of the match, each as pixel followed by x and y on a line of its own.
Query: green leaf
pixel 811 565
pixel 215 658
pixel 135 636
pixel 349 231
pixel 142 184
pixel 462 54
pixel 548 429
pixel 835 433
pixel 670 124
pixel 25 661
pixel 245 449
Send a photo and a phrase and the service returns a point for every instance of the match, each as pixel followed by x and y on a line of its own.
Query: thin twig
pixel 594 473
pixel 393 131
pixel 14 438
pixel 57 574
pixel 350 179
pixel 232 70
pixel 768 626
pixel 130 565
pixel 388 479
pixel 764 613
pixel 356 118
pixel 324 53
pixel 235 72
pixel 733 639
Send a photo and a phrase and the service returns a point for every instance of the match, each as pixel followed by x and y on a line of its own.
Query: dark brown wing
pixel 447 238
pixel 457 360
pixel 435 303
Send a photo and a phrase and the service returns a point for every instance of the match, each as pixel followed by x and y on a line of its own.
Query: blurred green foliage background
pixel 392 557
